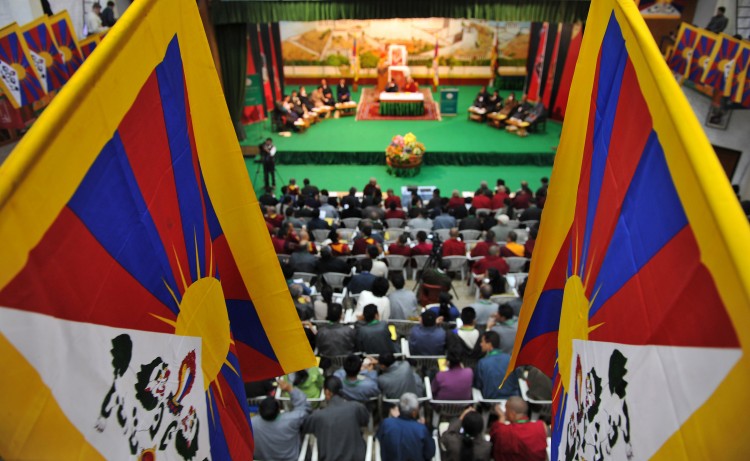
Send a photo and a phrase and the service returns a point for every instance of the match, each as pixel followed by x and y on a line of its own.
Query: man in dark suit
pixel 267 154
pixel 108 15
pixel 342 92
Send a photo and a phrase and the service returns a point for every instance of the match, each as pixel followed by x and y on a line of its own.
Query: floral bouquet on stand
pixel 404 155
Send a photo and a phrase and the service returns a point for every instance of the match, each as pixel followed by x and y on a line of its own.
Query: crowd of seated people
pixel 514 116
pixel 298 111
pixel 354 327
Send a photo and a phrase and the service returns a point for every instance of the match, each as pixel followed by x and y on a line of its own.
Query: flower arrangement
pixel 404 155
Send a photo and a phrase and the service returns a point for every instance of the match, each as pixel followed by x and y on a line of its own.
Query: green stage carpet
pixel 452 141
pixel 447 178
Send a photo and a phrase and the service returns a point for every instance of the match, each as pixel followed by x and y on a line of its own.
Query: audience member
pixel 512 248
pixel 719 22
pixel 505 326
pixel 445 311
pixel 379 268
pixel 397 378
pixel 404 437
pixel 522 438
pixel 401 247
pixel 463 440
pixel 321 306
pixel 276 433
pixel 442 220
pixel 367 239
pixel 498 200
pixel 328 263
pixel 302 302
pixel 482 200
pixel 327 207
pixel 516 304
pixel 483 306
pixel 453 246
pixel 421 221
pixel 490 370
pixel 528 246
pixel 392 198
pixel 376 296
pixel 471 222
pixel 351 200
pixel 491 261
pixel 337 426
pixel 363 280
pixel 502 228
pixel 456 201
pixel 335 339
pixel 316 223
pixel 427 338
pixel 468 333
pixel 359 379
pixel 454 383
pixel 404 304
pixel 394 211
pixel 302 260
pixel 338 247
pixel 373 336
pixel 423 247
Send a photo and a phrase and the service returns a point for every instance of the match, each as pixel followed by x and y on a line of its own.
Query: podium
pixel 449 101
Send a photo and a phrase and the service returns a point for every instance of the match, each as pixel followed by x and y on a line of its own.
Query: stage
pixel 451 141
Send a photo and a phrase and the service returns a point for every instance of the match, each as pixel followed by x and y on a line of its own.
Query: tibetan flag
pixel 44 53
pixel 493 56
pixel 138 285
pixel 720 72
pixel 682 55
pixel 88 45
pixel 535 84
pixel 547 95
pixel 18 74
pixel 637 300
pixel 701 60
pixel 436 66
pixel 355 61
pixel 65 36
pixel 743 91
pixel 740 77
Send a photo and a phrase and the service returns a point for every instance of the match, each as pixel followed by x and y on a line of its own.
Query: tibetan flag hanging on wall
pixel 563 91
pixel 637 300
pixel 141 288
pixel 720 70
pixel 740 70
pixel 552 71
pixel 682 54
pixel 65 36
pixel 700 60
pixel 18 74
pixel 535 83
pixel 44 53
pixel 88 45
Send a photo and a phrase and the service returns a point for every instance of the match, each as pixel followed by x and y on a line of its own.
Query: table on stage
pixel 401 104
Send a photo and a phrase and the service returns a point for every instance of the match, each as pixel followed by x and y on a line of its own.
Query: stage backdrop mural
pixel 326 48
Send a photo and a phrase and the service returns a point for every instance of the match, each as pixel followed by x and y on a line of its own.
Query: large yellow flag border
pixel 69 135
pixel 721 230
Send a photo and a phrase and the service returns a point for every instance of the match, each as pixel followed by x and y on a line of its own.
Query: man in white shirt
pixel 94 20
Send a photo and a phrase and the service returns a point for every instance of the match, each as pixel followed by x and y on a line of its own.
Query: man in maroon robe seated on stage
pixel 411 86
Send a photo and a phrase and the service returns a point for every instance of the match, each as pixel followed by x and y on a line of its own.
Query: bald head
pixel 516 408
pixel 454 232
pixel 494 250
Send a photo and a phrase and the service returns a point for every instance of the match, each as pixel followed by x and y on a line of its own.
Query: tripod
pixel 259 170
pixel 433 262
